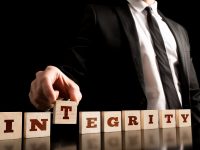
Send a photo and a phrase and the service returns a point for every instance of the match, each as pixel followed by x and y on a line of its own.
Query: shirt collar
pixel 140 5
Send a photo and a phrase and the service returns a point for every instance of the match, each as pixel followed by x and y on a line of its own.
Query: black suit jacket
pixel 105 61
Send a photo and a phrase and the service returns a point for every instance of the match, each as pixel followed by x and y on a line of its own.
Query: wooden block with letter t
pixel 149 119
pixel 65 112
pixel 183 117
pixel 10 125
pixel 37 124
pixel 89 122
pixel 167 118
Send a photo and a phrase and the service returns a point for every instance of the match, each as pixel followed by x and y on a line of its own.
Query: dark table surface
pixel 66 137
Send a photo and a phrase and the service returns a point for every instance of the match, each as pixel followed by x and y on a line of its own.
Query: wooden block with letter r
pixel 183 117
pixel 37 124
pixel 10 125
pixel 65 112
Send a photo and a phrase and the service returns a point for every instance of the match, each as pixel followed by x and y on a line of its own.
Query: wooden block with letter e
pixel 111 121
pixel 65 112
pixel 149 119
pixel 37 124
pixel 131 120
pixel 89 122
pixel 183 117
pixel 10 125
pixel 167 118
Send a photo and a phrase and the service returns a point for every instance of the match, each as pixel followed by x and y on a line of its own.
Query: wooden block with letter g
pixel 10 125
pixel 111 121
pixel 65 112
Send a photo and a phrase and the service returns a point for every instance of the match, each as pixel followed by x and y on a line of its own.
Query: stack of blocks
pixel 37 124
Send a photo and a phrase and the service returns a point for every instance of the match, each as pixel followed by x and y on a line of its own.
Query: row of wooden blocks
pixel 37 124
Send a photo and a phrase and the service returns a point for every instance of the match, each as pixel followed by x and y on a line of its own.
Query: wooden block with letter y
pixel 37 124
pixel 183 117
pixel 65 112
pixel 10 125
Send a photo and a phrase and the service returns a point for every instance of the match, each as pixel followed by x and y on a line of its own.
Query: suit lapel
pixel 129 27
pixel 184 68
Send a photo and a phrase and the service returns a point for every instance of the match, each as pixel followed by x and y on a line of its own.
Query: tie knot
pixel 148 9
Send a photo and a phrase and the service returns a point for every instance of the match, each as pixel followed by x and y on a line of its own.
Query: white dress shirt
pixel 153 85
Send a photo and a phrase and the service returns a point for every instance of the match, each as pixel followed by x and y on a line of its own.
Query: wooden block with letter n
pixel 131 120
pixel 65 112
pixel 149 119
pixel 111 121
pixel 37 124
pixel 183 117
pixel 89 122
pixel 167 118
pixel 10 125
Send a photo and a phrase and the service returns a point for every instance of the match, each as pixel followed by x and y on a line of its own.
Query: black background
pixel 36 34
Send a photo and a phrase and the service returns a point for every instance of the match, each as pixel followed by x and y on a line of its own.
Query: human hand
pixel 50 85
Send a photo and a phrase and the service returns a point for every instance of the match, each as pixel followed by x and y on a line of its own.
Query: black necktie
pixel 163 63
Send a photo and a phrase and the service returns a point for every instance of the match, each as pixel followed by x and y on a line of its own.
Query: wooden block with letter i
pixel 149 119
pixel 65 112
pixel 89 122
pixel 111 121
pixel 183 117
pixel 167 118
pixel 37 124
pixel 10 125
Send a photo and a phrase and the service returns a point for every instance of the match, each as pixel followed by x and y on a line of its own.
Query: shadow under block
pixel 167 118
pixel 149 119
pixel 10 125
pixel 37 124
pixel 89 122
pixel 65 112
pixel 111 121
pixel 183 117
pixel 131 120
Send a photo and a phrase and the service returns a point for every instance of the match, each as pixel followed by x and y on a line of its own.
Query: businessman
pixel 127 55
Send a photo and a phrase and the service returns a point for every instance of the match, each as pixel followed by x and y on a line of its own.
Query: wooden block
pixel 11 144
pixel 151 139
pixel 167 118
pixel 183 117
pixel 168 137
pixel 10 125
pixel 111 121
pixel 112 141
pixel 65 112
pixel 89 122
pixel 37 143
pixel 132 140
pixel 37 124
pixel 90 141
pixel 149 119
pixel 131 120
